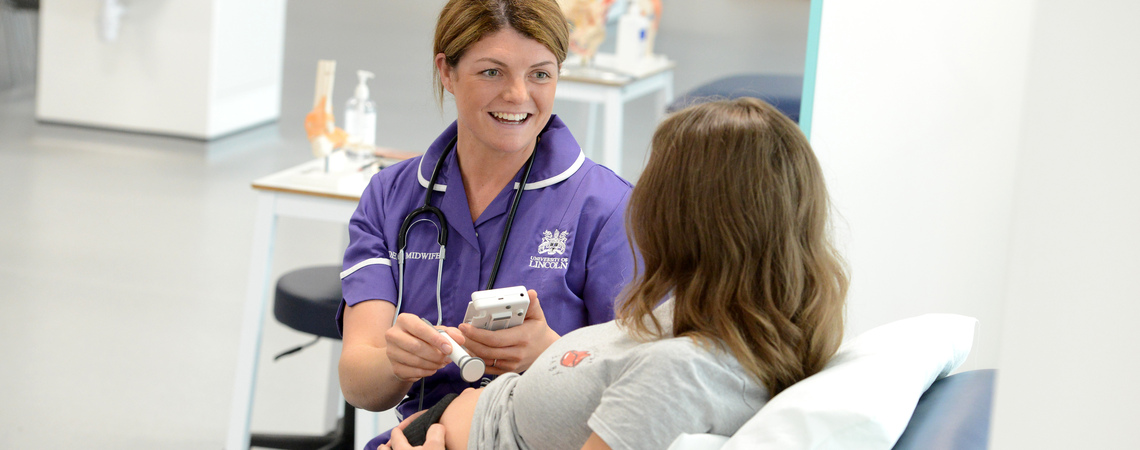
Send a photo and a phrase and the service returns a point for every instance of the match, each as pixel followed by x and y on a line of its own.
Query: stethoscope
pixel 441 232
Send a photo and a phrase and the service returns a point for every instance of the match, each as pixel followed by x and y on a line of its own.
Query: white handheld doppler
pixel 470 367
pixel 497 309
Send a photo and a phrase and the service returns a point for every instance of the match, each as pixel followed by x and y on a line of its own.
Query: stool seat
pixel 306 300
pixel 782 91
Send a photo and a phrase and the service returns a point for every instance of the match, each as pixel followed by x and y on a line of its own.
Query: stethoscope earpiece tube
pixel 511 219
pixel 427 208
pixel 402 238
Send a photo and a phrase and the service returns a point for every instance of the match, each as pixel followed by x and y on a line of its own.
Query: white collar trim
pixel 557 178
pixel 529 186
pixel 424 181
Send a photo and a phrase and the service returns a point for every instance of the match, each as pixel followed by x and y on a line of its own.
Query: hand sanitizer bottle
pixel 360 120
pixel 632 31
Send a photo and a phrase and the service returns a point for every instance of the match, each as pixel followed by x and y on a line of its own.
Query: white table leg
pixel 366 427
pixel 334 401
pixel 367 422
pixel 591 129
pixel 249 349
pixel 615 115
pixel 665 97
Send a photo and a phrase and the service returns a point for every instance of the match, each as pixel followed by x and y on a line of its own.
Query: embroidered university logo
pixel 553 243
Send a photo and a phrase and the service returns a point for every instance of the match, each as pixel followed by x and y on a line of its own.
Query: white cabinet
pixel 192 68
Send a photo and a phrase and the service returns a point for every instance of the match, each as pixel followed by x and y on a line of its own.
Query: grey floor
pixel 123 257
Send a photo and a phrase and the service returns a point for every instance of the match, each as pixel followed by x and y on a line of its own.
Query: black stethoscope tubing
pixel 427 208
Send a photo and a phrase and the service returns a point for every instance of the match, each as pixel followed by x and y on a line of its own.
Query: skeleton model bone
pixel 320 124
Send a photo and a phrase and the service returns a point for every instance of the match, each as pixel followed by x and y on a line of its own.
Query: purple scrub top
pixel 567 242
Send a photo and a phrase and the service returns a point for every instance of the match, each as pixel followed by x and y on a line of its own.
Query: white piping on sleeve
pixel 362 264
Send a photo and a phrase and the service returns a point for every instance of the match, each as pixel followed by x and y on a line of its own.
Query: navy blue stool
pixel 306 300
pixel 782 91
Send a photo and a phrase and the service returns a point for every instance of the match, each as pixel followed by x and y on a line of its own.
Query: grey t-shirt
pixel 632 394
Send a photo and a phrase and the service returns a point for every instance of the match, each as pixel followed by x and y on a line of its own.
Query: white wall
pixel 982 157
pixel 1068 363
pixel 247 48
pixel 916 122
pixel 136 83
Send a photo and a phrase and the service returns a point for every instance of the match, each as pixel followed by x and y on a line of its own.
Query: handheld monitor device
pixel 497 309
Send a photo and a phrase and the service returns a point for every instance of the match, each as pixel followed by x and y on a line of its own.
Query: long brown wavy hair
pixel 731 219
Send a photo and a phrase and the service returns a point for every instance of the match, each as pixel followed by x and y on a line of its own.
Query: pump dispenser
pixel 360 117
pixel 632 34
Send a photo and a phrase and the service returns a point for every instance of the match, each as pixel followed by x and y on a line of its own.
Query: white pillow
pixel 865 396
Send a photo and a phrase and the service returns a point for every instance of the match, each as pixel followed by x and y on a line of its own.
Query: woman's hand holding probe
pixel 513 349
pixel 416 349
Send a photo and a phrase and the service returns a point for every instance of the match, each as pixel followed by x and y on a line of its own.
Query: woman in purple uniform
pixel 523 206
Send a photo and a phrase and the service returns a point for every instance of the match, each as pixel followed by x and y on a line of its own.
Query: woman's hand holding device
pixel 416 349
pixel 513 349
pixel 496 309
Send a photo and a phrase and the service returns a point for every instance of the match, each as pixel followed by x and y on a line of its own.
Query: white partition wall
pixel 916 123
pixel 191 68
pixel 1067 373
pixel 982 160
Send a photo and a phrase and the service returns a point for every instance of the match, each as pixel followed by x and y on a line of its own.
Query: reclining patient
pixel 731 219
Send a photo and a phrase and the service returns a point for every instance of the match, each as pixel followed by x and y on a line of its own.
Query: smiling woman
pixel 516 189
pixel 504 92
